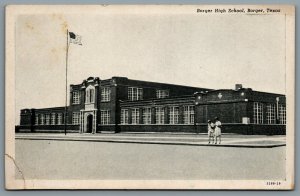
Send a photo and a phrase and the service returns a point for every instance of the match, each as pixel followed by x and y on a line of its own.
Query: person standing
pixel 210 129
pixel 218 132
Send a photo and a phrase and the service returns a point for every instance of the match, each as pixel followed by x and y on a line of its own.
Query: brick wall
pixel 231 112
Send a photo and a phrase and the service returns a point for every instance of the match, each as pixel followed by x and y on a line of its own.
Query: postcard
pixel 150 97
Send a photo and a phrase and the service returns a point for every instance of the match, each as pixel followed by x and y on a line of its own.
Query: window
pixel 53 119
pixel 188 114
pixel 59 118
pixel 90 95
pixel 42 117
pixel 173 114
pixel 159 115
pixel 124 116
pixel 162 93
pixel 105 117
pixel 130 93
pixel 282 114
pixel 271 114
pixel 75 118
pixel 146 115
pixel 76 98
pixel 135 116
pixel 105 94
pixel 135 93
pixel 36 119
pixel 87 96
pixel 258 113
pixel 47 119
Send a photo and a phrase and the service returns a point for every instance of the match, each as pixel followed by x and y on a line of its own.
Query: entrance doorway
pixel 89 124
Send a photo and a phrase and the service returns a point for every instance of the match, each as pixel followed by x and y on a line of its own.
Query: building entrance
pixel 89 124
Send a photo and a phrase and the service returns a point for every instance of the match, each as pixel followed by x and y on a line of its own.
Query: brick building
pixel 120 104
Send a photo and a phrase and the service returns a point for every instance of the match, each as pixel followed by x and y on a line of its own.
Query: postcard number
pixel 273 183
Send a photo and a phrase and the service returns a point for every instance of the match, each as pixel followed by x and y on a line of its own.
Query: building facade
pixel 120 104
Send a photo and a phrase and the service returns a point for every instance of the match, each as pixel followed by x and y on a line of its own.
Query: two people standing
pixel 214 130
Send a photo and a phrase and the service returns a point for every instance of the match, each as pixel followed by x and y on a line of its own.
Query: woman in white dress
pixel 210 129
pixel 218 132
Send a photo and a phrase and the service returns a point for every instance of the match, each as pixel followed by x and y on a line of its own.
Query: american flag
pixel 74 38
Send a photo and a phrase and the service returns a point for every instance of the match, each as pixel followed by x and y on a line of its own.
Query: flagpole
pixel 66 101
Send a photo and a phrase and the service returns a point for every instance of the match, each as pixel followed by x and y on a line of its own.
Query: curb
pixel 152 142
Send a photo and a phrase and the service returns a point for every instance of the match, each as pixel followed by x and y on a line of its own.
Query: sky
pixel 210 51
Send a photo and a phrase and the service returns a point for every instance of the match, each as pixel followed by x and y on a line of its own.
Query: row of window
pixel 49 119
pixel 134 94
pixel 258 113
pixel 173 114
pixel 90 96
pixel 105 117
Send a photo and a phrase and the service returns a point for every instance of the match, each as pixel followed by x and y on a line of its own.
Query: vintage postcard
pixel 150 97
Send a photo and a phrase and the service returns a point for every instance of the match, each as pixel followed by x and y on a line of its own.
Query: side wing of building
pixel 243 111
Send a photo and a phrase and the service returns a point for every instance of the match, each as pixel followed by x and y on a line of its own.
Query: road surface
pixel 50 159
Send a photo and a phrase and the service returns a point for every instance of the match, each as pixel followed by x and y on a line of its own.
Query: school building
pixel 120 104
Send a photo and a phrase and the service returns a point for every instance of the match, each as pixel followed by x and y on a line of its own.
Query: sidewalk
pixel 228 140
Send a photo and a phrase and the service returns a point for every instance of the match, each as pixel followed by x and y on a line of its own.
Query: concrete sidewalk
pixel 228 140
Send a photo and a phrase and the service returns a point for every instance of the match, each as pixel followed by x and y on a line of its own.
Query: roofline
pixel 208 89
pixel 246 89
pixel 149 82
pixel 170 84
pixel 60 107
pixel 269 93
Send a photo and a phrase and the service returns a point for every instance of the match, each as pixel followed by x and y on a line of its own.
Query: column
pixel 141 116
pixel 153 115
pixel 94 121
pixel 277 111
pixel 166 111
pixel 80 122
pixel 181 114
pixel 129 116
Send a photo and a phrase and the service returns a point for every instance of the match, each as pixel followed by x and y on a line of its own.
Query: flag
pixel 74 38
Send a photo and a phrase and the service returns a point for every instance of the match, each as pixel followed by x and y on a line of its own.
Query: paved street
pixel 57 159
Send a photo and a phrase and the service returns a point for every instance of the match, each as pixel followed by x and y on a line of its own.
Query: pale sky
pixel 210 51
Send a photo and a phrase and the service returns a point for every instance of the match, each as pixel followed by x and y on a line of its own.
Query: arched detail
pixel 90 94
